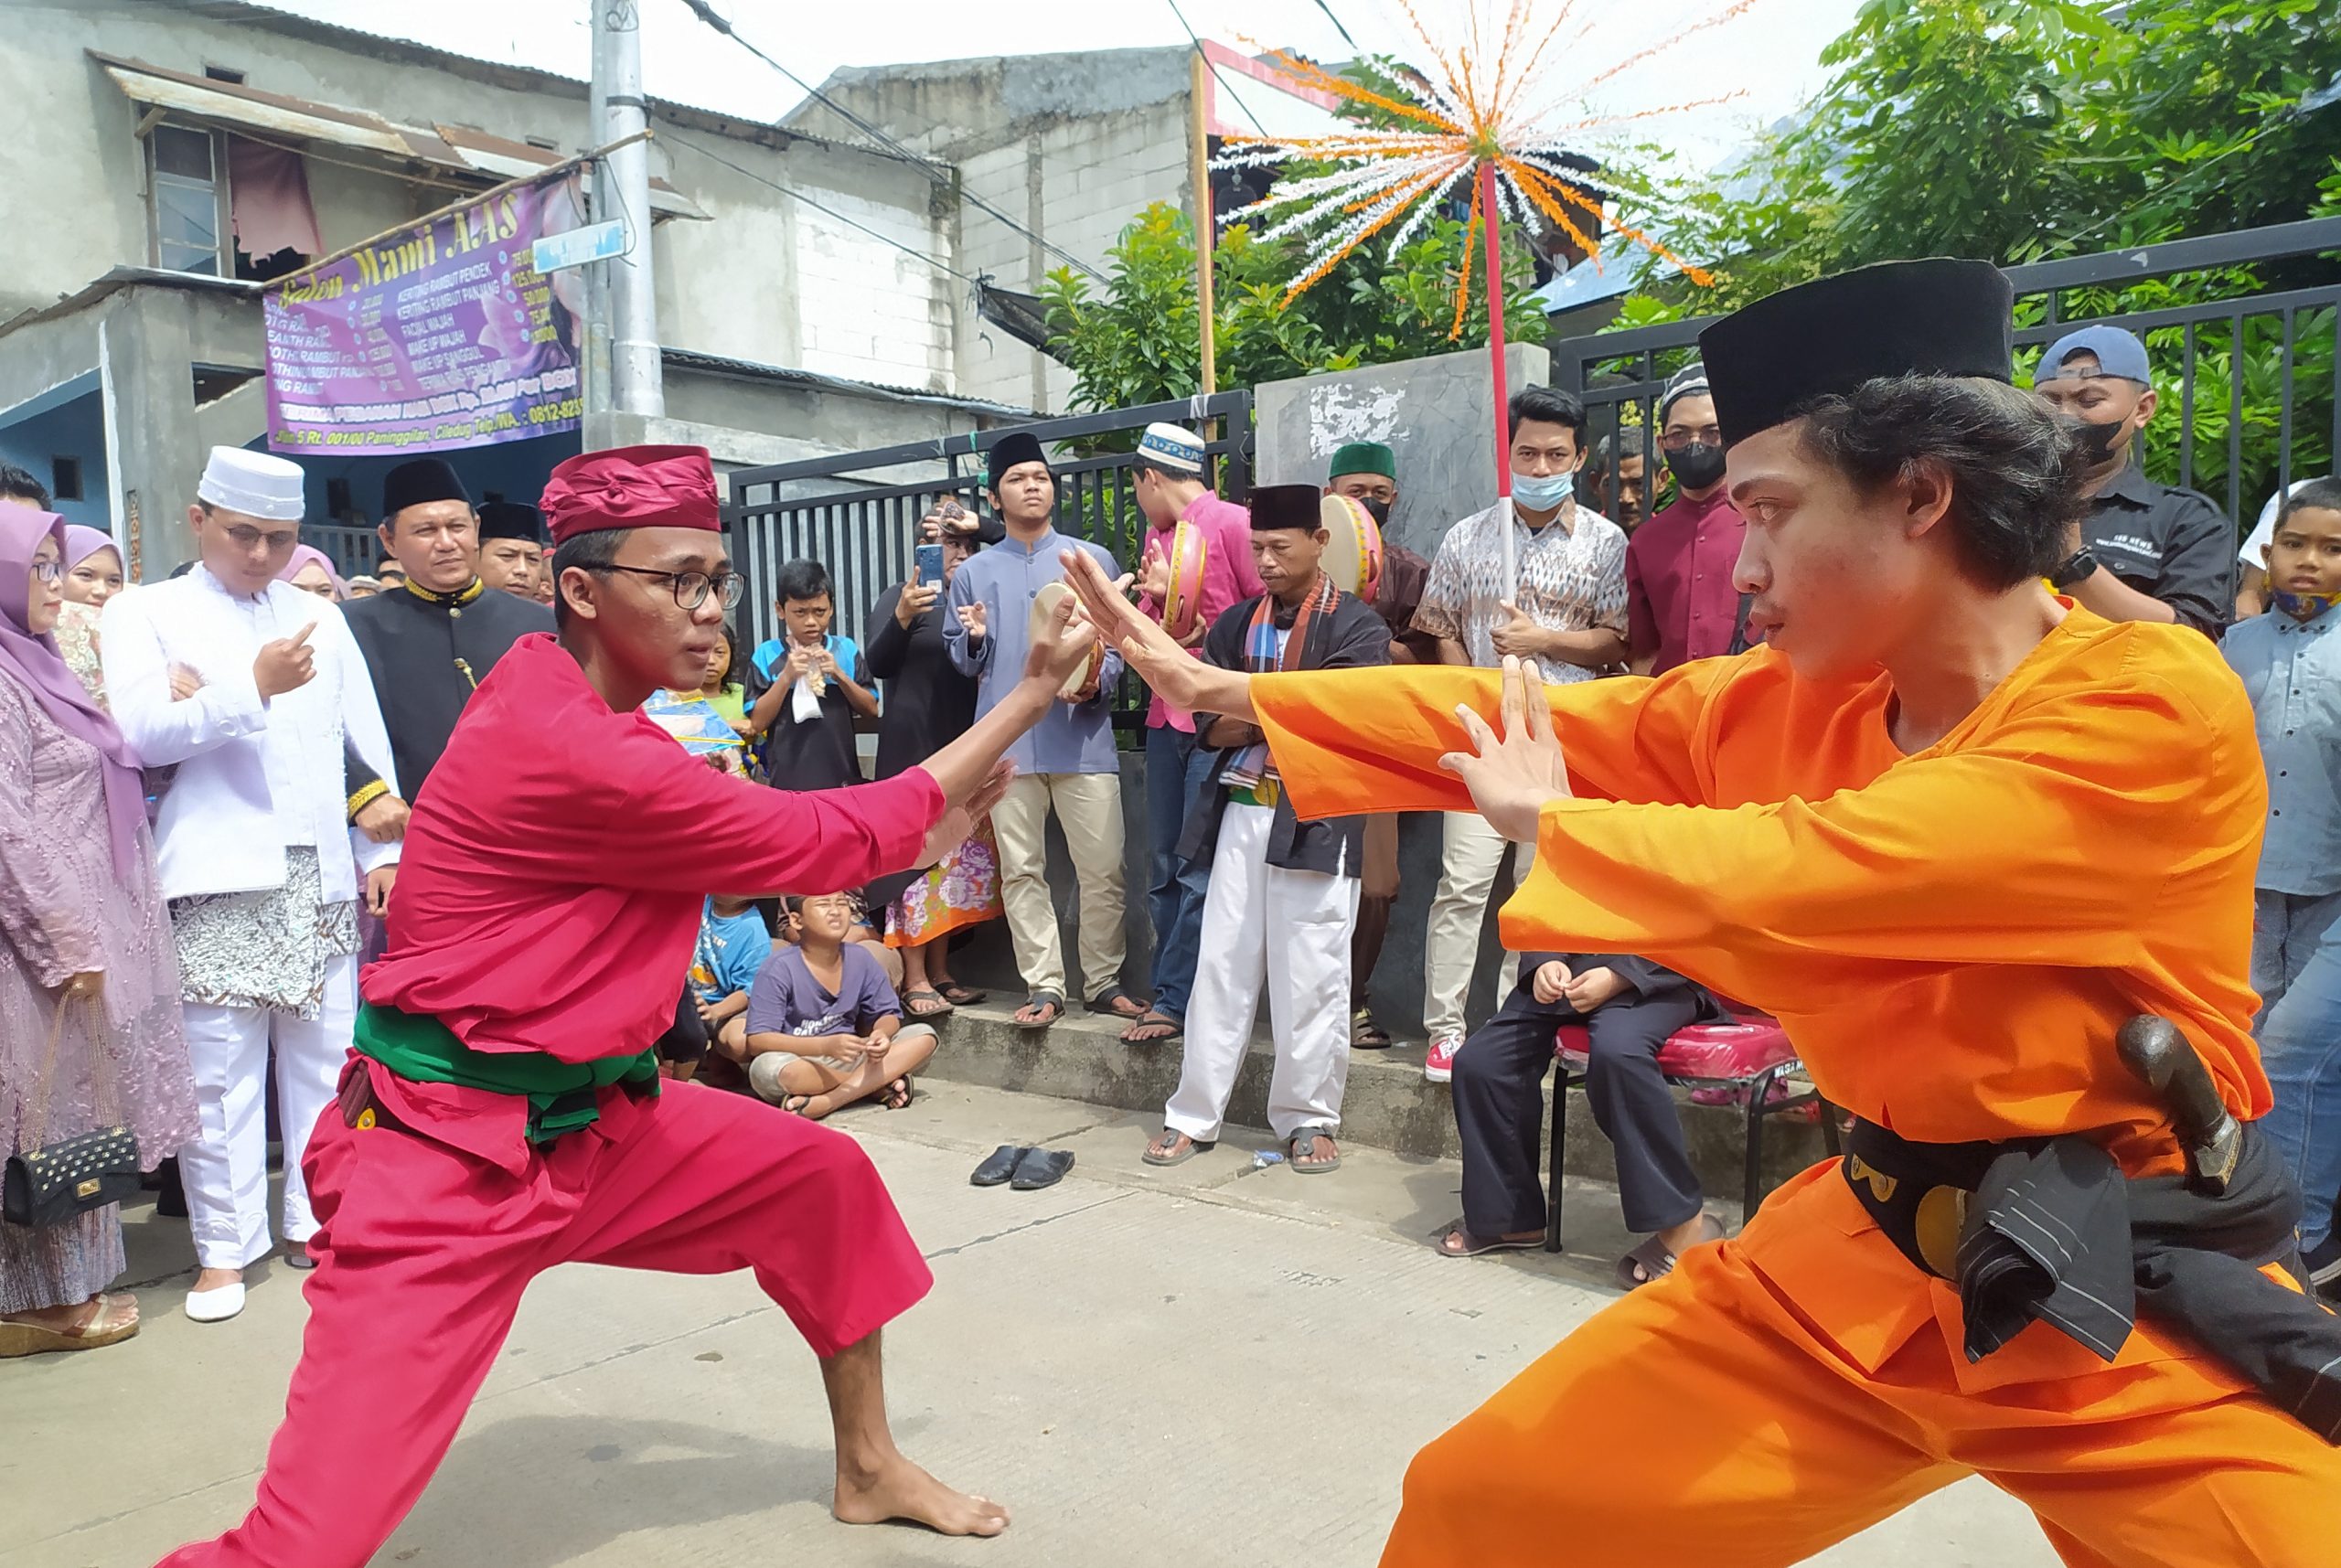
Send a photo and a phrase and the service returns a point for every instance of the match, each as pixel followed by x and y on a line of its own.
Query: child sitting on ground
pixel 733 943
pixel 824 1028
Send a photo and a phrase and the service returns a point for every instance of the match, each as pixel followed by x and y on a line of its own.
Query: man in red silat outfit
pixel 503 1111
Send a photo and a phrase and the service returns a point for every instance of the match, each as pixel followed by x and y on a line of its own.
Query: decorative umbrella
pixel 1505 122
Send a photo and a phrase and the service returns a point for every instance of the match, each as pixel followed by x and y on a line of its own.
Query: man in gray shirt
pixel 1066 762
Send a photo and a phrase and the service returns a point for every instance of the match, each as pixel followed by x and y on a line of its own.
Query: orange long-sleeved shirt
pixel 1952 938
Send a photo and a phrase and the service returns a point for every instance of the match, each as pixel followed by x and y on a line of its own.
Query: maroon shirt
pixel 1680 604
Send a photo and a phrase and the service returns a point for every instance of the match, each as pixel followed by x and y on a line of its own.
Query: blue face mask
pixel 1536 493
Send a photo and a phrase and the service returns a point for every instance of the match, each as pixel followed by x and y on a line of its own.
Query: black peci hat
pixel 422 479
pixel 1017 446
pixel 1938 317
pixel 510 520
pixel 1287 507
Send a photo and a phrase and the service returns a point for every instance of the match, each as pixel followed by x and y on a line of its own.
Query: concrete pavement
pixel 1216 1364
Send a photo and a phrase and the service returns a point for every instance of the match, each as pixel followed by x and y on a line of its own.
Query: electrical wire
pixel 671 138
pixel 718 23
pixel 1212 66
pixel 1321 6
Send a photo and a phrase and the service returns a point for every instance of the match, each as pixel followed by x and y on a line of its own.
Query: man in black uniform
pixel 429 644
pixel 2146 551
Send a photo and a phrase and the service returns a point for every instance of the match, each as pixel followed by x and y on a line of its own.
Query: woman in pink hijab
pixel 91 1034
pixel 93 575
pixel 311 570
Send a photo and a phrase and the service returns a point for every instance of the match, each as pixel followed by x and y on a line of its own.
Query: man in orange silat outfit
pixel 1955 832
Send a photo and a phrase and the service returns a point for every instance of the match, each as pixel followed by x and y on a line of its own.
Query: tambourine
pixel 1189 551
pixel 1353 546
pixel 1045 606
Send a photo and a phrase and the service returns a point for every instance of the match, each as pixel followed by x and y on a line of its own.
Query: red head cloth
pixel 632 487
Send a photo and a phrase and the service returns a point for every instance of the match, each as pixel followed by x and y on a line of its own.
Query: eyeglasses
pixel 690 588
pixel 49 572
pixel 1706 436
pixel 246 538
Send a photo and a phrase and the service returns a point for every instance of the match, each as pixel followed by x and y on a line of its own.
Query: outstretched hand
pixel 1175 676
pixel 952 828
pixel 1513 775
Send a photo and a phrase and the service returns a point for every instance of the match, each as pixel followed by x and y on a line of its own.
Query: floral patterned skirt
pixel 962 890
pixel 266 950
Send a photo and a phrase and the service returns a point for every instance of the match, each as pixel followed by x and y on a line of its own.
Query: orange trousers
pixel 1711 1418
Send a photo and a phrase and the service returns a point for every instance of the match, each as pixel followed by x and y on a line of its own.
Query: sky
pixel 1769 52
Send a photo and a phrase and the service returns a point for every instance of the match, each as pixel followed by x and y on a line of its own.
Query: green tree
pixel 1136 340
pixel 2017 130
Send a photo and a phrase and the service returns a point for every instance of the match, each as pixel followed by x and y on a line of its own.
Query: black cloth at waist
pixel 2050 1229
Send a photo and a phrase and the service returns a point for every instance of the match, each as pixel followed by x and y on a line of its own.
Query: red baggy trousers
pixel 431 1230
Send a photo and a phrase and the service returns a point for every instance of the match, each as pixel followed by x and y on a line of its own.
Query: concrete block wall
pixel 867 310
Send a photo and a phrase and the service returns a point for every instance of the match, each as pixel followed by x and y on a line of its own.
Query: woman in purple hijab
pixel 93 575
pixel 86 960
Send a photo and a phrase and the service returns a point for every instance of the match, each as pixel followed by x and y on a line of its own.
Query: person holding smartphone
pixel 929 703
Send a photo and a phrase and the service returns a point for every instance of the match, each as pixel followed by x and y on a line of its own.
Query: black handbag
pixel 48 1184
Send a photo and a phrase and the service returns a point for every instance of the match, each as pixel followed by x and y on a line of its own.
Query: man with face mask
pixel 1681 603
pixel 1563 608
pixel 2144 551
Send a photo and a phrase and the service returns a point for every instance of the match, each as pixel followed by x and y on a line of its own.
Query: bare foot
pixel 900 1491
pixel 213 1278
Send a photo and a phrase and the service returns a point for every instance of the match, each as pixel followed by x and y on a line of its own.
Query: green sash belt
pixel 560 1093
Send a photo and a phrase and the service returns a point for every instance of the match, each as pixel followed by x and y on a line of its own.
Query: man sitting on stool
pixel 1629 1007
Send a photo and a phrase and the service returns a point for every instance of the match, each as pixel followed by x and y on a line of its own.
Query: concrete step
pixel 1388 1103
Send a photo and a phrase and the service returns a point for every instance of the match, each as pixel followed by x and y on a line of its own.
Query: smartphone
pixel 929 559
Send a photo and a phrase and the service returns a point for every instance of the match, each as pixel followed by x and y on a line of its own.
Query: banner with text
pixel 443 336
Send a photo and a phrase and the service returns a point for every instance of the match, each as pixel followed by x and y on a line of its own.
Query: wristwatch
pixel 2080 565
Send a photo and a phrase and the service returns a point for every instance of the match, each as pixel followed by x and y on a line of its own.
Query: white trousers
pixel 225 1165
pixel 1288 930
pixel 1472 854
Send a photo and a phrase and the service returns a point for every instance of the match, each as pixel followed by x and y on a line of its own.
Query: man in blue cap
pixel 2145 551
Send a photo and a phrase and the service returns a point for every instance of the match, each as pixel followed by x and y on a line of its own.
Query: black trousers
pixel 1500 1111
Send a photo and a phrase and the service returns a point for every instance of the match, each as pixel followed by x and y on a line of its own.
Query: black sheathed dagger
pixel 2166 1062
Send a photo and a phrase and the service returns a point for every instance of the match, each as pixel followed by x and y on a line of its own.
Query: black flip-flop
pixel 912 997
pixel 1305 1142
pixel 1194 1147
pixel 1655 1262
pixel 1041 999
pixel 960 996
pixel 1040 1167
pixel 1103 1002
pixel 999 1165
pixel 1474 1244
pixel 1172 1030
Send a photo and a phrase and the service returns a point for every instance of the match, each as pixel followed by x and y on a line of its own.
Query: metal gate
pixel 857 512
pixel 2255 379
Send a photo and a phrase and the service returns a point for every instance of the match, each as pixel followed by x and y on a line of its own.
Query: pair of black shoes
pixel 1023 1168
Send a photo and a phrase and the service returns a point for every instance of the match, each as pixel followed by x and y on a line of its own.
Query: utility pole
pixel 622 190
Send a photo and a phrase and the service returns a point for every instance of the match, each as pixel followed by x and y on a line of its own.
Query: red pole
pixel 1489 223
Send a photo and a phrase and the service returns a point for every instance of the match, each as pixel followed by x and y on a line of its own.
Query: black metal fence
pixel 857 513
pixel 2253 379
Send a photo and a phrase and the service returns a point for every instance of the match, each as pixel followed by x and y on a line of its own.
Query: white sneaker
pixel 217 1305
pixel 1439 1065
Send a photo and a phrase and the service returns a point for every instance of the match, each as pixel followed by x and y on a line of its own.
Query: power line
pixel 675 139
pixel 709 16
pixel 1321 6
pixel 1212 66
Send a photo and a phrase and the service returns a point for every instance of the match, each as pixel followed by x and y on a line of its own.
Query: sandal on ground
pixel 1455 1242
pixel 795 1105
pixel 1163 1030
pixel 924 1002
pixel 108 1320
pixel 1300 1148
pixel 1365 1034
pixel 1651 1261
pixel 960 996
pixel 1038 1001
pixel 1118 1003
pixel 898 1093
pixel 1165 1150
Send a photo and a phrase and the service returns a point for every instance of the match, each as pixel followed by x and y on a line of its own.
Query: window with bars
pixel 187 187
